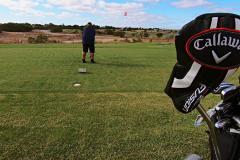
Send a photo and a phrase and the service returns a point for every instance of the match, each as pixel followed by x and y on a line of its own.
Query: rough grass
pixel 119 112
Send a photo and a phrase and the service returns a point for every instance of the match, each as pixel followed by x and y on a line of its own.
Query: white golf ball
pixel 76 85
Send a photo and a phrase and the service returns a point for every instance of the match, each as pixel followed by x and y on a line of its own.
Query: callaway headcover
pixel 208 51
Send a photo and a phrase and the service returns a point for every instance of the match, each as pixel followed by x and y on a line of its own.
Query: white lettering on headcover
pixel 197 44
pixel 214 22
pixel 237 24
pixel 189 77
pixel 194 98
pixel 220 59
pixel 217 40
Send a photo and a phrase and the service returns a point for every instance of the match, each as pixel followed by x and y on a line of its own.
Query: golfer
pixel 88 40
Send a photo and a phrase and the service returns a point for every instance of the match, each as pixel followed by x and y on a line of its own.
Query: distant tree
pixel 134 34
pixel 99 32
pixel 109 27
pixel 159 35
pixel 31 40
pixel 96 26
pixel 16 27
pixel 119 33
pixel 39 26
pixel 41 39
pixel 169 36
pixel 109 31
pixel 75 26
pixel 51 25
pixel 146 34
pixel 56 29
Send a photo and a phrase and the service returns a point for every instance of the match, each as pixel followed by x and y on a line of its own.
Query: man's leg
pixel 84 57
pixel 92 57
pixel 85 49
pixel 92 51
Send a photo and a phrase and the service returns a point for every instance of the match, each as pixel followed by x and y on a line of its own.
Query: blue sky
pixel 171 14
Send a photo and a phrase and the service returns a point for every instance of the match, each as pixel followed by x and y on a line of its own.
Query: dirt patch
pixel 2 97
pixel 22 37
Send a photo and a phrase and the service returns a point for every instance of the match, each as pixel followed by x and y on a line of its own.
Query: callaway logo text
pixel 217 40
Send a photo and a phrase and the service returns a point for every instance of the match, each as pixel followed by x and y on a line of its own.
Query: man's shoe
pixel 92 61
pixel 83 61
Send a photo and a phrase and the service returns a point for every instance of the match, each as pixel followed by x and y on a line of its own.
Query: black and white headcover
pixel 208 51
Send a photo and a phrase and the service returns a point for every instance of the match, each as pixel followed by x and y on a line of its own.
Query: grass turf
pixel 118 112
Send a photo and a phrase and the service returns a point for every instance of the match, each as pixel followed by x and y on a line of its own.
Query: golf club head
pixel 228 93
pixel 221 87
pixel 237 120
pixel 193 157
pixel 223 106
pixel 223 123
pixel 199 120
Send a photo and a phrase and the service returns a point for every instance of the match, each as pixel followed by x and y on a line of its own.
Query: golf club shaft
pixel 212 130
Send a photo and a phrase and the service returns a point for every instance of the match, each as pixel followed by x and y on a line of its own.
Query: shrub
pixel 169 36
pixel 99 32
pixel 134 34
pixel 159 35
pixel 53 41
pixel 31 40
pixel 16 27
pixel 145 34
pixel 137 40
pixel 134 40
pixel 127 40
pixel 109 31
pixel 56 30
pixel 119 33
pixel 41 39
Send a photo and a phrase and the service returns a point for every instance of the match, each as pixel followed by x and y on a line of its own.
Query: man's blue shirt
pixel 88 36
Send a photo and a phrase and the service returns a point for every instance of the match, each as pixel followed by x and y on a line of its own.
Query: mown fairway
pixel 119 112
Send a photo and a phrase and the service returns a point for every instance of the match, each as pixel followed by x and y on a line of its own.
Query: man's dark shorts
pixel 91 48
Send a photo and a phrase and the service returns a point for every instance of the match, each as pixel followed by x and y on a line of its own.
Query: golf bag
pixel 208 52
pixel 229 144
pixel 226 118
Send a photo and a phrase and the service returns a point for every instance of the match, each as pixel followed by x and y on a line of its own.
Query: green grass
pixel 119 112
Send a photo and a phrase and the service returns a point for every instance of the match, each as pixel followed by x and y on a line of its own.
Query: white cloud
pixel 219 9
pixel 76 5
pixel 64 15
pixel 144 19
pixel 113 8
pixel 191 3
pixel 101 12
pixel 19 5
pixel 47 5
pixel 110 13
pixel 148 1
